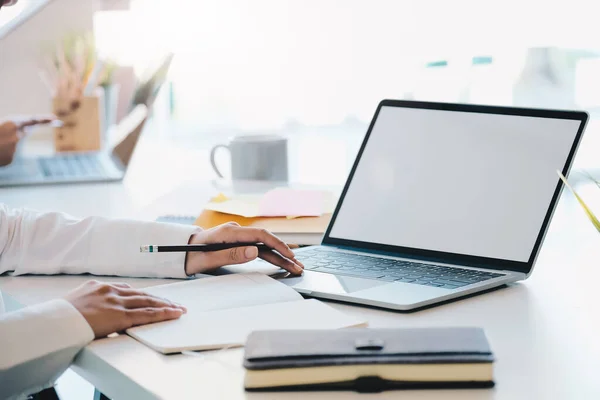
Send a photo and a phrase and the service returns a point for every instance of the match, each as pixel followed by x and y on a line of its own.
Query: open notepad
pixel 223 310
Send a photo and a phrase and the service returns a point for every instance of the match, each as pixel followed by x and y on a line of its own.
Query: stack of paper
pixel 281 202
pixel 297 216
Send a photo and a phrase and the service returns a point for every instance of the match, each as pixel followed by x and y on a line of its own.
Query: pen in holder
pixel 82 128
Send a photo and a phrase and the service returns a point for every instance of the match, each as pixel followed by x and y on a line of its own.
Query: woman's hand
pixel 9 137
pixel 110 308
pixel 10 133
pixel 199 262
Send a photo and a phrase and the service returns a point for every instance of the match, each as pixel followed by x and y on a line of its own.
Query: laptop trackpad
pixel 327 283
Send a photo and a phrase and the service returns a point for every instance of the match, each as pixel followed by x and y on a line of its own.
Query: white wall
pixel 21 90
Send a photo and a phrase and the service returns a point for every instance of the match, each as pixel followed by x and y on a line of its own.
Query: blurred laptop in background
pixel 96 166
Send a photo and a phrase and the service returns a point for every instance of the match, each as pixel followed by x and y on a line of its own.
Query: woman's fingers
pixel 200 262
pixel 145 301
pixel 263 236
pixel 280 261
pixel 232 234
pixel 149 315
pixel 122 285
pixel 133 298
pixel 237 255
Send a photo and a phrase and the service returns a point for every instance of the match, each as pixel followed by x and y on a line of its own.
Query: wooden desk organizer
pixel 81 130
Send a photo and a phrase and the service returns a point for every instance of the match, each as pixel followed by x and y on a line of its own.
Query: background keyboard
pixel 76 165
pixel 385 269
pixel 177 219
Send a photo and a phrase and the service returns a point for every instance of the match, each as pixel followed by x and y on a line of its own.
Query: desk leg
pixel 47 394
pixel 99 396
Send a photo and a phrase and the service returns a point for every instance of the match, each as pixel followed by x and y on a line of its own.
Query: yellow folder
pixel 209 219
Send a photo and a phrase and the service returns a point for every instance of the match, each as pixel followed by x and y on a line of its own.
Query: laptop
pixel 80 167
pixel 95 166
pixel 443 201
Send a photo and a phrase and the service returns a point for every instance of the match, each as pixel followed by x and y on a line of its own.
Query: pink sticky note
pixel 292 203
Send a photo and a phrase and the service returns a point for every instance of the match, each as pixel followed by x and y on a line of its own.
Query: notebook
pixel 368 360
pixel 224 310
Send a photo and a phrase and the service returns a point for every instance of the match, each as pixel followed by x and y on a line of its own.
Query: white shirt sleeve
pixel 55 243
pixel 38 343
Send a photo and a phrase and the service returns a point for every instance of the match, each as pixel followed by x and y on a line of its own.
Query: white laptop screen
pixel 467 183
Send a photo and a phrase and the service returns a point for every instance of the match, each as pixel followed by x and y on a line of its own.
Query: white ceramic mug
pixel 255 157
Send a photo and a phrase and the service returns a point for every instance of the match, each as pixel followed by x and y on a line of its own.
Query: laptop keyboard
pixel 385 269
pixel 76 165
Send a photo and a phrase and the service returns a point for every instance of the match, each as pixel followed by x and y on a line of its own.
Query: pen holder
pixel 82 129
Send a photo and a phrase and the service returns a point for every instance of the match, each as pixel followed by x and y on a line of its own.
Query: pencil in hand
pixel 200 247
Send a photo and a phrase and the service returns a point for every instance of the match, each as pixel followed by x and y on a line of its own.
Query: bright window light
pixel 267 63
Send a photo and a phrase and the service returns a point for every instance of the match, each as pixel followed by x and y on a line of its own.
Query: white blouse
pixel 38 343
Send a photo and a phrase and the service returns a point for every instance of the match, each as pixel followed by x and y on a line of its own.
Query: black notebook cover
pixel 271 350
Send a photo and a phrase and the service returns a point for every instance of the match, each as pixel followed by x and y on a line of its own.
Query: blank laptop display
pixel 465 183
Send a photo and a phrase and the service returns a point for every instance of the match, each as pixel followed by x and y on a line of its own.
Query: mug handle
pixel 213 153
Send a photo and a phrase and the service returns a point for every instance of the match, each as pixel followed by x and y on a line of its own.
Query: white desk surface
pixel 543 331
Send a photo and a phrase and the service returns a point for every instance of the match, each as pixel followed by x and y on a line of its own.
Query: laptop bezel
pixel 454 258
